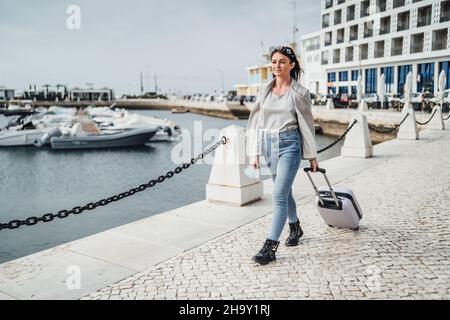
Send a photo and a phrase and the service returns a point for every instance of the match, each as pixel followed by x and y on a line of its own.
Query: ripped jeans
pixel 282 154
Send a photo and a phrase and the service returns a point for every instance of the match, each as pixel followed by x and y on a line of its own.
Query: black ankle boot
pixel 267 253
pixel 295 234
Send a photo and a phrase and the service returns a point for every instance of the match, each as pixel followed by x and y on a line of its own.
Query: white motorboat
pixel 167 129
pixel 30 137
pixel 127 138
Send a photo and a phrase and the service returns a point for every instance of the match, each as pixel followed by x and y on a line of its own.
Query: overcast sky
pixel 186 43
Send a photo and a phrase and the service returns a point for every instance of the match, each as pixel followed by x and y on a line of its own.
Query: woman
pixel 281 128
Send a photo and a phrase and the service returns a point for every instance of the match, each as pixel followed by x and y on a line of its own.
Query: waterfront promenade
pixel 203 250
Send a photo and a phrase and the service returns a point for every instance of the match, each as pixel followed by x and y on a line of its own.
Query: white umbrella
pixel 441 86
pixel 380 89
pixel 407 91
pixel 359 89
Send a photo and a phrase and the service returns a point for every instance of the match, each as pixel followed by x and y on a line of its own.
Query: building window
pixel 424 16
pixel 403 21
pixel 364 51
pixel 355 75
pixel 381 5
pixel 416 43
pixel 440 40
pixel 340 35
pixel 354 32
pixel 368 29
pixel 341 1
pixel 354 90
pixel 425 77
pixel 331 76
pixel 328 36
pixel 379 49
pixel 445 11
pixel 351 13
pixel 402 73
pixel 326 20
pixel 324 58
pixel 388 78
pixel 349 54
pixel 343 90
pixel 445 65
pixel 371 80
pixel 397 46
pixel 337 17
pixel 385 25
pixel 343 76
pixel 399 3
pixel 328 4
pixel 364 11
pixel 336 55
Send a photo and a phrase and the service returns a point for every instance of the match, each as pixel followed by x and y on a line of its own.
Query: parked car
pixel 395 101
pixel 434 101
pixel 323 99
pixel 341 100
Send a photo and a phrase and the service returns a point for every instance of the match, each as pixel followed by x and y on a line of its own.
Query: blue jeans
pixel 286 165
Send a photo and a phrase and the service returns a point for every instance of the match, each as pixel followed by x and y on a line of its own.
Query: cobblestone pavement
pixel 401 250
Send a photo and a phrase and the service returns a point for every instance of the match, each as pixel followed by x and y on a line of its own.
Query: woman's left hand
pixel 314 165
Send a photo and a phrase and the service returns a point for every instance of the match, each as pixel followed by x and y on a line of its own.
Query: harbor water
pixel 35 181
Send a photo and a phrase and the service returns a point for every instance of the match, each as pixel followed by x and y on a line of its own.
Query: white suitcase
pixel 338 207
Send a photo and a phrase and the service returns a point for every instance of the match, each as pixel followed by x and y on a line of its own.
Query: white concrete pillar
pixel 227 181
pixel 363 106
pixel 408 130
pixel 330 104
pixel 357 141
pixel 437 123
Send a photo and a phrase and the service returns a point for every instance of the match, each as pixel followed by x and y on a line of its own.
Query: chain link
pixel 389 130
pixel 14 224
pixel 426 122
pixel 445 119
pixel 339 139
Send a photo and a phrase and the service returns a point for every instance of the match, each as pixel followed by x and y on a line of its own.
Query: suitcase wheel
pixel 356 229
pixel 331 226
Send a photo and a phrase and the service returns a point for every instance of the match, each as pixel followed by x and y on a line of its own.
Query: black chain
pixel 422 124
pixel 445 119
pixel 390 130
pixel 339 139
pixel 14 224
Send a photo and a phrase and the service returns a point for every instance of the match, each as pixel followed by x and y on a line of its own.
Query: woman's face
pixel 281 66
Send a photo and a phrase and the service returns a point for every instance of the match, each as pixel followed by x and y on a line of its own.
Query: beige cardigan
pixel 305 120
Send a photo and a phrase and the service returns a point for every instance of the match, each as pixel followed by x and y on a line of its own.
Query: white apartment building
pixel 313 76
pixel 381 36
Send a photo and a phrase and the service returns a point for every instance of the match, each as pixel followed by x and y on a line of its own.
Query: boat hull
pixel 20 138
pixel 128 138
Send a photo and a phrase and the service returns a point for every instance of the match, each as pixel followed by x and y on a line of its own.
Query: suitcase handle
pixel 307 170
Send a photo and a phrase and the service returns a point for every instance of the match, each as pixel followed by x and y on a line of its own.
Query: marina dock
pixel 203 250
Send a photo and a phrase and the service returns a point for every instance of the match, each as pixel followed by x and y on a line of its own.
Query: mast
pixel 295 27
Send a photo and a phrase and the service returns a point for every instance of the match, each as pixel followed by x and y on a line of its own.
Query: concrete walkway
pixel 203 250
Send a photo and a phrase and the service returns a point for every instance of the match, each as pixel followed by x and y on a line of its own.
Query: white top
pixel 278 111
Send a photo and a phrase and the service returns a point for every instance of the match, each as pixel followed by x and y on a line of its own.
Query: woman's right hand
pixel 254 162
